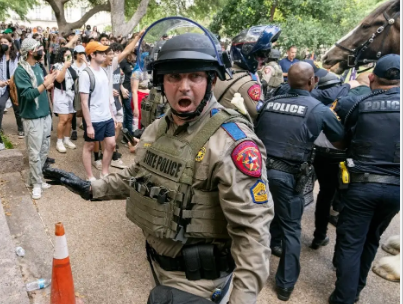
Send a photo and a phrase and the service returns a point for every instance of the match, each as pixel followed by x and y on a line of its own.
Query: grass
pixel 7 143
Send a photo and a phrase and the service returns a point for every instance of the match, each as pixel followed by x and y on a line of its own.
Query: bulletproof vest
pixel 277 77
pixel 162 201
pixel 376 135
pixel 152 107
pixel 282 126
pixel 224 90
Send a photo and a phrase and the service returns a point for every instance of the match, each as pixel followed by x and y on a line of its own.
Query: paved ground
pixel 107 250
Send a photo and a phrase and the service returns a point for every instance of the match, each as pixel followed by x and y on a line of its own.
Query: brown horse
pixel 377 35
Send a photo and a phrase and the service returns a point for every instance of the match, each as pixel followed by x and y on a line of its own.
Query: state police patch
pixel 247 158
pixel 254 92
pixel 259 192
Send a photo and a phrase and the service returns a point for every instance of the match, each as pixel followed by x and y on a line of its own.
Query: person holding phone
pixel 63 97
pixel 34 110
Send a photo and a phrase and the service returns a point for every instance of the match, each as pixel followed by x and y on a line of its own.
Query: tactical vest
pixel 282 126
pixel 376 135
pixel 277 77
pixel 162 201
pixel 224 90
pixel 152 107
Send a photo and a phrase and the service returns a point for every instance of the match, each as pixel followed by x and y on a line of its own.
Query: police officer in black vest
pixel 288 125
pixel 372 199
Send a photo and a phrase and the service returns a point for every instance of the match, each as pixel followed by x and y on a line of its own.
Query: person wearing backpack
pixel 63 96
pixel 98 119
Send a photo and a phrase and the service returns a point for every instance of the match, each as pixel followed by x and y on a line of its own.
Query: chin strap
pixel 200 107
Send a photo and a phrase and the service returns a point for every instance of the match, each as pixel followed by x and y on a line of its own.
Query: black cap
pixel 388 67
pixel 317 70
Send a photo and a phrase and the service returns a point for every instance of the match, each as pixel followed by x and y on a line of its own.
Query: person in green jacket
pixel 34 110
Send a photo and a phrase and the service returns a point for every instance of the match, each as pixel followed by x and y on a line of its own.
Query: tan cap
pixel 94 46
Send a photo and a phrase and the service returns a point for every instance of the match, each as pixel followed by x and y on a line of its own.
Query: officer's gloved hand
pixel 70 180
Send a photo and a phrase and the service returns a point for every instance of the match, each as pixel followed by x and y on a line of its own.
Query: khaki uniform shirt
pixel 242 83
pixel 244 200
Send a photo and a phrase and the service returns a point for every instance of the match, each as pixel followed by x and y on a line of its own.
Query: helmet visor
pixel 164 29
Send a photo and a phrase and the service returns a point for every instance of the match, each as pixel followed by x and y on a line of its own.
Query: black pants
pixel 3 101
pixel 288 208
pixel 367 211
pixel 326 171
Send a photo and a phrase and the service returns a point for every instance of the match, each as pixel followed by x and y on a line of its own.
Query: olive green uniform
pixel 229 203
pixel 243 83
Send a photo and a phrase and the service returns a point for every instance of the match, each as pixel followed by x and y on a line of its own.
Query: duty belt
pixel 197 261
pixel 281 166
pixel 374 178
pixel 331 153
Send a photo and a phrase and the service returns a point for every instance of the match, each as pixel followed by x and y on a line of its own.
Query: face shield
pixel 161 31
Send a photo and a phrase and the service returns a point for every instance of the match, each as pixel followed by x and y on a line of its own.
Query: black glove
pixel 70 180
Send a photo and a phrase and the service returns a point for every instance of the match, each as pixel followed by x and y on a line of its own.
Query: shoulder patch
pixel 200 154
pixel 214 112
pixel 254 92
pixel 259 192
pixel 233 130
pixel 247 158
pixel 253 76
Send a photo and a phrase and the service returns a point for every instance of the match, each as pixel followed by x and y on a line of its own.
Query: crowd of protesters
pixel 43 68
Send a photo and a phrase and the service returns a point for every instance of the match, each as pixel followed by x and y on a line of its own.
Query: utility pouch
pixel 306 171
pixel 344 176
pixel 192 263
pixel 208 262
pixel 169 295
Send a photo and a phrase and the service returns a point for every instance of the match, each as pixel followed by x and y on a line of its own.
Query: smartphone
pixel 78 32
pixel 128 136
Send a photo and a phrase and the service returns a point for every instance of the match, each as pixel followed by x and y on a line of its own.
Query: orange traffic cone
pixel 62 280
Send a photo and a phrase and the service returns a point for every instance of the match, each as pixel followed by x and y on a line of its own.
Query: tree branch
pixel 58 10
pixel 96 9
pixel 135 19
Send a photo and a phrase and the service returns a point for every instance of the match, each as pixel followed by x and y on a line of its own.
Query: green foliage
pixel 304 23
pixel 7 143
pixel 20 7
pixel 200 11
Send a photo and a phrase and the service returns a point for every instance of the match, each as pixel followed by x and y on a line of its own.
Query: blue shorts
pixel 102 129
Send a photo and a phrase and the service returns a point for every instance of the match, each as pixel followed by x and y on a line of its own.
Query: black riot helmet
pixel 274 55
pixel 328 81
pixel 186 53
pixel 192 48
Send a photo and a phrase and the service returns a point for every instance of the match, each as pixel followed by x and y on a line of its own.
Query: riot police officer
pixel 197 187
pixel 330 192
pixel 275 76
pixel 373 196
pixel 288 125
pixel 249 50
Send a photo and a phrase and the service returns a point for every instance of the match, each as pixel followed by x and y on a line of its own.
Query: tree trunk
pixel 273 10
pixel 119 26
pixel 63 25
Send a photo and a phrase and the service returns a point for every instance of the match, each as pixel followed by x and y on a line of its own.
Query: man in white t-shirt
pixel 98 120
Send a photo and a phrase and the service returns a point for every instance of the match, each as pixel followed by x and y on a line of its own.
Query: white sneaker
pixel 45 186
pixel 91 179
pixel 2 147
pixel 118 164
pixel 36 192
pixel 60 147
pixel 97 164
pixel 69 144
